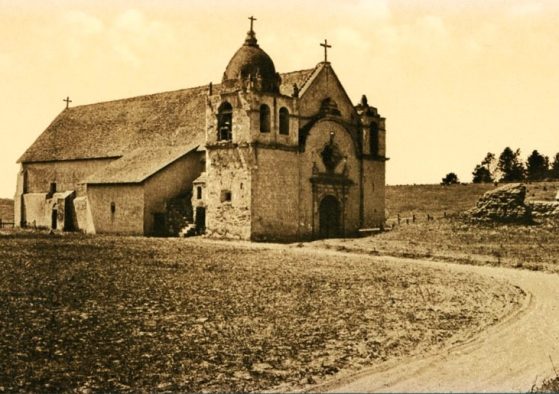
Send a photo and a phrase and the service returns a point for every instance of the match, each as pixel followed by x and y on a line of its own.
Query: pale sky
pixel 455 79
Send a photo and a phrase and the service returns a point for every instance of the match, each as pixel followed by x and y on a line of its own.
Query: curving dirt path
pixel 510 356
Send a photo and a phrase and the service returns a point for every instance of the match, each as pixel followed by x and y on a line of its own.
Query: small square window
pixel 225 196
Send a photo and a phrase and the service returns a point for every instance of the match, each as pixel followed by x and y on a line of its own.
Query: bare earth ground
pixel 513 356
pixel 127 314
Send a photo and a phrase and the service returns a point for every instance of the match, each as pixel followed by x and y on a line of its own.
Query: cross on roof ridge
pixel 326 46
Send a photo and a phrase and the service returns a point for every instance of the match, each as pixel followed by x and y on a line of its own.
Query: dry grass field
pixel 435 200
pixel 102 313
pixel 533 247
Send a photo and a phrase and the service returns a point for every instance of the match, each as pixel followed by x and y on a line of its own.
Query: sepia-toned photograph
pixel 298 196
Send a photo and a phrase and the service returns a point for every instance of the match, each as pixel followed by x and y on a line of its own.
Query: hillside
pixel 534 247
pixel 7 209
pixel 435 200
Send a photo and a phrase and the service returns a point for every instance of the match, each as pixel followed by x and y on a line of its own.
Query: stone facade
pixel 261 156
pixel 285 181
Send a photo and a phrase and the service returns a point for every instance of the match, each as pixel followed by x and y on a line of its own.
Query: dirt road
pixel 511 356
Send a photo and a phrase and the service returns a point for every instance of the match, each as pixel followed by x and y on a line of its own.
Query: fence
pixel 414 218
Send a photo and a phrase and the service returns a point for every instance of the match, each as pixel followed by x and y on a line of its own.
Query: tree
pixel 481 175
pixel 554 170
pixel 490 162
pixel 449 179
pixel 484 172
pixel 537 166
pixel 510 166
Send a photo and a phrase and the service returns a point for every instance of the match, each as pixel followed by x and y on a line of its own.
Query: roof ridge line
pixel 143 95
pixel 298 71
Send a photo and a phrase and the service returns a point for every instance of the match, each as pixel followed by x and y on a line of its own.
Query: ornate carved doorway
pixel 329 217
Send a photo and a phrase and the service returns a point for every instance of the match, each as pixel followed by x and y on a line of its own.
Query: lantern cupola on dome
pixel 252 66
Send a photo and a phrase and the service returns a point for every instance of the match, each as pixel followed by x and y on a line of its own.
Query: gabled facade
pixel 266 156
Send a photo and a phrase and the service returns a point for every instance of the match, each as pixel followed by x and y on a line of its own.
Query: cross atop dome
pixel 251 36
pixel 252 19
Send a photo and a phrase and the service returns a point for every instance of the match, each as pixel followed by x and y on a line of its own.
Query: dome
pixel 251 63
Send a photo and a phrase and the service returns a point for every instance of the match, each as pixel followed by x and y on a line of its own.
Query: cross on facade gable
pixel 326 46
pixel 252 19
pixel 68 101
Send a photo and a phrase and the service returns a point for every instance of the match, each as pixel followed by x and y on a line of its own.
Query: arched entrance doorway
pixel 329 217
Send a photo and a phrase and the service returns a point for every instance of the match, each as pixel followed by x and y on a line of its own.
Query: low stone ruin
pixel 544 209
pixel 504 204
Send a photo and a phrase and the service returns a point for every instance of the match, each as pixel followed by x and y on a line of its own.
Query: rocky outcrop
pixel 544 209
pixel 504 204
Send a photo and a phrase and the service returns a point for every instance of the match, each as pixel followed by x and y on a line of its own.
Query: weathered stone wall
pixel 504 204
pixel 198 200
pixel 269 179
pixel 274 138
pixel 68 175
pixel 37 210
pixel 229 170
pixel 318 137
pixel 65 210
pixel 373 193
pixel 544 209
pixel 83 219
pixel 19 214
pixel 275 195
pixel 325 85
pixel 170 182
pixel 179 214
pixel 128 215
pixel 241 123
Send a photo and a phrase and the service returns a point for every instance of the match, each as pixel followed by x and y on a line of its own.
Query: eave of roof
pixel 140 164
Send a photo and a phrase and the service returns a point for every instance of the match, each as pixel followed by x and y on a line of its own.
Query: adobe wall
pixel 19 214
pixel 318 137
pixel 172 181
pixel 83 219
pixel 274 138
pixel 37 210
pixel 128 216
pixel 67 174
pixel 373 193
pixel 275 195
pixel 241 123
pixel 229 170
pixel 326 84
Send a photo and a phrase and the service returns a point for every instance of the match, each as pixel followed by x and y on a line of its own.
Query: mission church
pixel 261 156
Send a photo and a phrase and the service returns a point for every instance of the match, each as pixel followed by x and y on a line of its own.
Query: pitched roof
pixel 296 77
pixel 112 128
pixel 138 165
